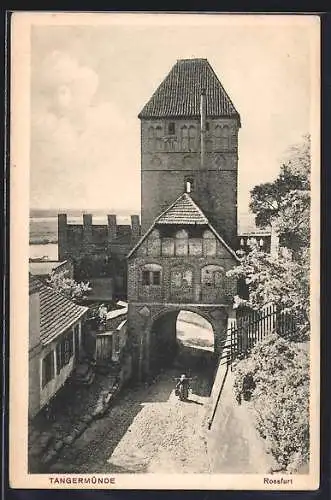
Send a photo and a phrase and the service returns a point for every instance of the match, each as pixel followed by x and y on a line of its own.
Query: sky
pixel 89 82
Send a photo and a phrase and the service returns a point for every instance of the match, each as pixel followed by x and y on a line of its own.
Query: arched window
pixel 225 137
pixel 181 242
pixel 154 244
pixel 261 242
pixel 184 138
pixel 212 276
pixel 151 275
pixel 209 145
pixel 192 137
pixel 218 136
pixel 151 143
pixel 209 244
pixel 181 282
pixel 158 134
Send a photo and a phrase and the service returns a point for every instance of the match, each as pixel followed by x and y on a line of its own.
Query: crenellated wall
pixel 88 239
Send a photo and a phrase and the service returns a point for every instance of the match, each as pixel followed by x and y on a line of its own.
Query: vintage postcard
pixel 164 251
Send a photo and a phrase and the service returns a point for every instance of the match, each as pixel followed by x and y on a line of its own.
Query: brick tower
pixel 189 142
pixel 189 132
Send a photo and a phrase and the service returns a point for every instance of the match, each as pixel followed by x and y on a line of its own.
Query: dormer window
pixel 171 128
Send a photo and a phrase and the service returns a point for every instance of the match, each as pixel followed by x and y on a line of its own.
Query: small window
pixel 146 278
pixel 151 278
pixel 47 368
pixel 207 126
pixel 171 128
pixel 188 184
pixel 156 278
pixel 64 351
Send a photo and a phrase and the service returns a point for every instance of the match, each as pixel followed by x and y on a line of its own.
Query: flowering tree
pixel 68 286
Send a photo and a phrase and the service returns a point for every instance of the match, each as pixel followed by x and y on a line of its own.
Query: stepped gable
pixel 179 94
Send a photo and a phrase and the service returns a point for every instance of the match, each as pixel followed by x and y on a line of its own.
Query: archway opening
pixel 183 342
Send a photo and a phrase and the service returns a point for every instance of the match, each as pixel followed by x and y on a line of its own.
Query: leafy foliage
pixel 285 203
pixel 277 280
pixel 284 279
pixel 68 286
pixel 276 379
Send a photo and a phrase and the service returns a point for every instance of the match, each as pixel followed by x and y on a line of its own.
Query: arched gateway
pixel 165 277
pixel 189 172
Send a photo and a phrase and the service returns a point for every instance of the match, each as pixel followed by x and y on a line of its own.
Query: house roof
pixel 57 313
pixel 183 211
pixel 179 93
pixel 34 284
pixel 43 268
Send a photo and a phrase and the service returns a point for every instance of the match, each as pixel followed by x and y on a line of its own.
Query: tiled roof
pixel 34 284
pixel 179 93
pixel 57 313
pixel 183 211
pixel 43 268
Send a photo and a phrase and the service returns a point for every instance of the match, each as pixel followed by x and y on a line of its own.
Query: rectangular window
pixel 171 128
pixel 146 278
pixel 156 278
pixel 47 368
pixel 64 351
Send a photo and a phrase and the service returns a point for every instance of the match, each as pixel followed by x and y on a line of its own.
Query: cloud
pixel 74 136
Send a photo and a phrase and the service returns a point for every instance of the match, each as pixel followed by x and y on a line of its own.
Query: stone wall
pixel 77 240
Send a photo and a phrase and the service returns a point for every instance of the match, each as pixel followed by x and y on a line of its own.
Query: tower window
pixel 188 184
pixel 171 128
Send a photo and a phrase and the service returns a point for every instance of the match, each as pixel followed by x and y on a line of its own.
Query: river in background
pixel 43 233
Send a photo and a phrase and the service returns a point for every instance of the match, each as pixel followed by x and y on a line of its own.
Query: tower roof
pixel 179 93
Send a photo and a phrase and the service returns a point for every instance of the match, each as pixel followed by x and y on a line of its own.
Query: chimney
pixel 203 126
pixel 112 227
pixel 135 227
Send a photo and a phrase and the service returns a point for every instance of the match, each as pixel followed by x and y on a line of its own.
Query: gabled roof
pixel 184 211
pixel 57 313
pixel 34 284
pixel 179 93
pixel 44 268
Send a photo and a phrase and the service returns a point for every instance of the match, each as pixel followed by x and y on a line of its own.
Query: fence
pixel 253 327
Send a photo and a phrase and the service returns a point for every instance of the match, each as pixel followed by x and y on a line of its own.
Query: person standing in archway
pixel 182 387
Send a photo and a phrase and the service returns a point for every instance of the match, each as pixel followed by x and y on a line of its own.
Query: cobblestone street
pixel 147 430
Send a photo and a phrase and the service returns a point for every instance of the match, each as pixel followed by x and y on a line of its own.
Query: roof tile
pixel 179 93
pixel 183 211
pixel 57 313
